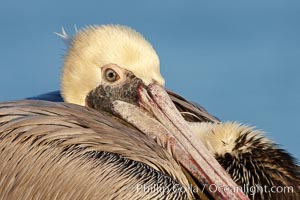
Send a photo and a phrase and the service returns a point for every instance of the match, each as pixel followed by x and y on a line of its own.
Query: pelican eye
pixel 111 75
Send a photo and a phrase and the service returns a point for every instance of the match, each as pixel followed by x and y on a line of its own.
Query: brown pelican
pixel 66 151
pixel 89 53
pixel 254 162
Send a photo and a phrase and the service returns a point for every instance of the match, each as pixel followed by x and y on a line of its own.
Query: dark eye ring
pixel 111 75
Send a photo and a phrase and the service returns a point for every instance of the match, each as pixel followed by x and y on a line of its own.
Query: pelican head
pixel 94 48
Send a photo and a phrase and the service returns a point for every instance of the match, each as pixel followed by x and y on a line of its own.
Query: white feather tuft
pixel 76 29
pixel 65 37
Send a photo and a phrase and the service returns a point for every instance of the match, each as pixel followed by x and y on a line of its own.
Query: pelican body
pixel 131 133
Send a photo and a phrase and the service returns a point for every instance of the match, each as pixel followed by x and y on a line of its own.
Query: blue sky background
pixel 238 59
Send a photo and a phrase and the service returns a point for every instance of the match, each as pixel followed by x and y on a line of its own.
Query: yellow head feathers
pixel 94 47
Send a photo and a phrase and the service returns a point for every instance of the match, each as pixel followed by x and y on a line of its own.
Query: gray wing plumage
pixel 64 151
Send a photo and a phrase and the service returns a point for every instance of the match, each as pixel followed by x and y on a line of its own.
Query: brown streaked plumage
pixel 64 151
pixel 258 165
